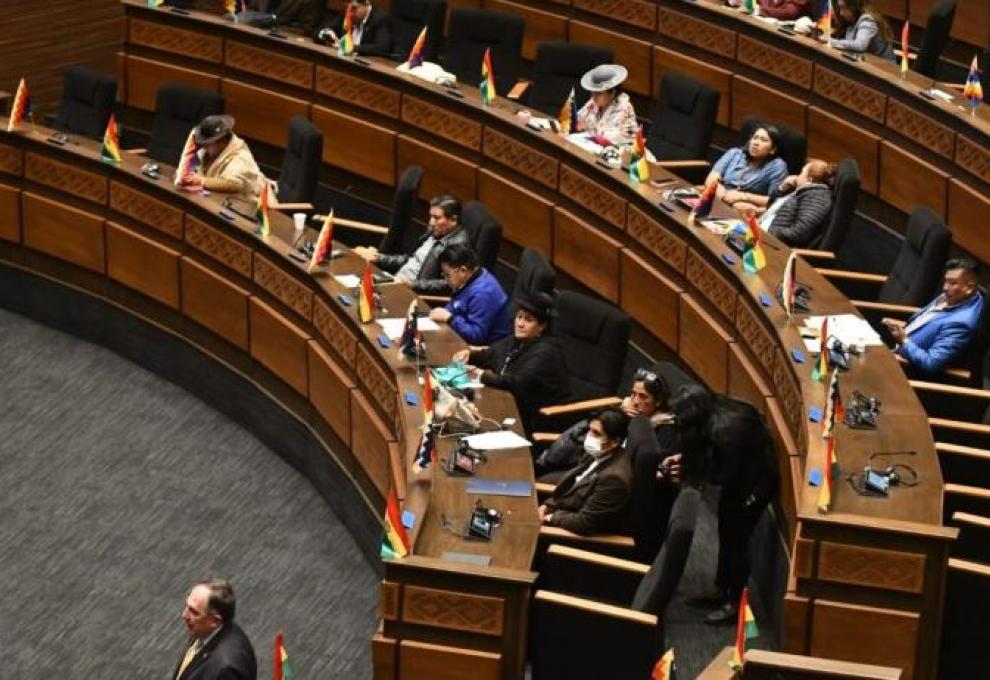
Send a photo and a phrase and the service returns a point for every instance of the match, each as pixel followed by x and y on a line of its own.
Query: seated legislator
pixel 938 335
pixel 594 496
pixel 801 205
pixel 371 31
pixel 421 268
pixel 226 163
pixel 478 311
pixel 747 175
pixel 647 398
pixel 608 116
pixel 785 10
pixel 864 28
pixel 529 363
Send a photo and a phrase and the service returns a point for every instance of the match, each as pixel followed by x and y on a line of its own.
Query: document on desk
pixel 499 439
pixel 499 487
pixel 393 327
pixel 348 280
pixel 849 329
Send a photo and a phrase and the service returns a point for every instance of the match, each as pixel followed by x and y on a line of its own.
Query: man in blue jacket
pixel 478 310
pixel 938 335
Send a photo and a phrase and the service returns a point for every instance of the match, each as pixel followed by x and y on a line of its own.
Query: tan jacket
pixel 234 171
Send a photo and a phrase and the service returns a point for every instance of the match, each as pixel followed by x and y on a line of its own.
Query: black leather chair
pixel 967 617
pixel 88 97
pixel 470 32
pixel 974 532
pixel 845 195
pixel 682 127
pixel 936 37
pixel 484 231
pixel 301 163
pixel 918 269
pixel 535 275
pixel 793 147
pixel 594 336
pixel 179 108
pixel 558 68
pixel 403 206
pixel 408 19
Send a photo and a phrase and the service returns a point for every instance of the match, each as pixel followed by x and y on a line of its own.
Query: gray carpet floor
pixel 118 490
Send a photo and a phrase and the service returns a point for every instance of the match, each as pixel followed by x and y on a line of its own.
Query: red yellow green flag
pixel 825 491
pixel 282 668
pixel 905 51
pixel 21 107
pixel 415 57
pixel 704 204
pixel 111 143
pixel 568 115
pixel 820 371
pixel 427 396
pixel 745 630
pixel 788 287
pixel 156 3
pixel 753 257
pixel 487 85
pixel 973 89
pixel 345 45
pixel 324 243
pixel 395 542
pixel 664 670
pixel 261 214
pixel 366 296
pixel 188 160
pixel 639 168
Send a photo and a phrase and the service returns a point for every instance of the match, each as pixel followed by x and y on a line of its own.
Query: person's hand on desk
pixel 192 182
pixel 896 328
pixel 402 279
pixel 732 196
pixel 367 254
pixel 440 314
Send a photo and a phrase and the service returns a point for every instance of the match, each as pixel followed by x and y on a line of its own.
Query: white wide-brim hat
pixel 604 77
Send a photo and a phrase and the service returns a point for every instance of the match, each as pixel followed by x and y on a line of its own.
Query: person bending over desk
pixel 938 335
pixel 608 116
pixel 421 268
pixel 864 28
pixel 528 364
pixel 801 205
pixel 226 163
pixel 747 174
pixel 479 308
pixel 371 31
pixel 594 496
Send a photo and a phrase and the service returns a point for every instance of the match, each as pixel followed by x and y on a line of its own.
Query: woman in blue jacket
pixel 479 308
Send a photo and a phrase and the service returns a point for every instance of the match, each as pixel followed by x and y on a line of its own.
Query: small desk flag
pixel 487 85
pixel 261 214
pixel 21 108
pixel 283 669
pixel 395 542
pixel 415 57
pixel 568 115
pixel 745 630
pixel 324 243
pixel 110 152
pixel 366 296
pixel 639 168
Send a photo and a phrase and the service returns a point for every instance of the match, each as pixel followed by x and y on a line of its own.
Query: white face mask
pixel 593 445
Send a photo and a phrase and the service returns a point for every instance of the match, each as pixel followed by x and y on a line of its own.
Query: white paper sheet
pixel 348 280
pixel 500 439
pixel 848 328
pixel 393 327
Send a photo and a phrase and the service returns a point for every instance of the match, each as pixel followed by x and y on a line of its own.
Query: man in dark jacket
pixel 594 496
pixel 217 649
pixel 801 205
pixel 479 308
pixel 371 29
pixel 421 268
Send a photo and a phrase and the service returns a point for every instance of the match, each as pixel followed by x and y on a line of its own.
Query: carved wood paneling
pixel 853 95
pixel 192 44
pixel 456 611
pixel 785 65
pixel 443 123
pixel 657 239
pixel 146 210
pixel 66 178
pixel 377 382
pixel 288 290
pixel 788 392
pixel 388 600
pixel 920 128
pixel 871 567
pixel 219 246
pixel 696 32
pixel 267 64
pixel 11 160
pixel 973 157
pixel 633 12
pixel 754 334
pixel 357 91
pixel 522 158
pixel 804 557
pixel 712 285
pixel 592 197
pixel 335 330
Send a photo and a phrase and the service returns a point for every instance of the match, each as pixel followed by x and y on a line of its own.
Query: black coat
pixel 376 39
pixel 228 656
pixel 743 460
pixel 430 280
pixel 801 221
pixel 599 502
pixel 535 374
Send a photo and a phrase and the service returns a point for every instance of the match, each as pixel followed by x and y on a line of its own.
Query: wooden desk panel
pixel 357 91
pixel 831 138
pixel 973 157
pixel 142 264
pixel 185 43
pixel 650 298
pixel 442 662
pixel 261 114
pixel 970 25
pixel 657 238
pixel 837 629
pixel 285 288
pixel 149 211
pixel 920 128
pixel 65 177
pixel 279 345
pixel 907 181
pixel 330 391
pixel 719 290
pixel 521 158
pixel 67 233
pixel 704 344
pixel 370 439
pixel 750 98
pixel 636 13
pixel 631 53
pixel 968 212
pixel 11 160
pixel 591 196
pixel 780 63
pixel 442 172
pixel 146 76
pixel 264 63
pixel 756 335
pixel 540 27
pixel 892 8
pixel 586 253
pixel 363 148
pixel 745 381
pixel 335 331
pixel 10 213
pixel 851 94
pixel 215 302
pixel 692 31
pixel 226 250
pixel 665 61
pixel 526 218
pixel 439 121
pixel 379 384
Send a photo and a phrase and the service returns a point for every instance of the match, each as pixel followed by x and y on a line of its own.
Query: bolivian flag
pixel 639 169
pixel 21 107
pixel 415 57
pixel 568 115
pixel 156 3
pixel 283 669
pixel 487 85
pixel 188 160
pixel 829 473
pixel 324 243
pixel 664 670
pixel 395 543
pixel 346 43
pixel 745 630
pixel 366 296
pixel 821 366
pixel 261 215
pixel 753 257
pixel 110 152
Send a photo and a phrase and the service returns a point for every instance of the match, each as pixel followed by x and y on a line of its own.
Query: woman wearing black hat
pixel 529 364
pixel 226 163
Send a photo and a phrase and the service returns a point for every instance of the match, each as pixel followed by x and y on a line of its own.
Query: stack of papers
pixel 393 327
pixel 348 280
pixel 849 329
pixel 582 140
pixel 500 439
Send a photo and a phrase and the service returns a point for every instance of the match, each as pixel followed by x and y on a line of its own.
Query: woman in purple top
pixel 478 310
pixel 747 174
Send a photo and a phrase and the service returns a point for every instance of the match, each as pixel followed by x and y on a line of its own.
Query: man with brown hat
pixel 226 163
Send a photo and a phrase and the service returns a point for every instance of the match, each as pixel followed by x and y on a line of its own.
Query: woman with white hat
pixel 608 116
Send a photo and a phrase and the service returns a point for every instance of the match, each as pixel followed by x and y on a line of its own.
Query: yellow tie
pixel 187 659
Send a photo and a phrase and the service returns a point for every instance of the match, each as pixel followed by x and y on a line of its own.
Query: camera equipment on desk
pixel 838 352
pixel 862 412
pixel 463 460
pixel 481 524
pixel 802 297
pixel 152 170
pixel 878 480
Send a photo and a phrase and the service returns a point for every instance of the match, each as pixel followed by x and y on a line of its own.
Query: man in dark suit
pixel 371 30
pixel 217 649
pixel 594 496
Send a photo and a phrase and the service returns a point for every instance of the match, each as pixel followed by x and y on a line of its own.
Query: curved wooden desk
pixel 871 569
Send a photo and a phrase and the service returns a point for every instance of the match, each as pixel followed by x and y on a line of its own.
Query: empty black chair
pixel 403 205
pixel 594 335
pixel 178 109
pixel 301 163
pixel 558 68
pixel 845 194
pixel 484 232
pixel 535 275
pixel 471 32
pixel 936 37
pixel 966 619
pixel 87 102
pixel 408 19
pixel 683 122
pixel 793 147
pixel 920 263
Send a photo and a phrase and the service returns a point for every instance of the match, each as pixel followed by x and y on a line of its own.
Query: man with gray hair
pixel 217 648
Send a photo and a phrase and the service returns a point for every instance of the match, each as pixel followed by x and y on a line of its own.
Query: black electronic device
pixel 483 522
pixel 862 412
pixel 381 277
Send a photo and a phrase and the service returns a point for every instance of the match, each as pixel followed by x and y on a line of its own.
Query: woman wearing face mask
pixel 747 173
pixel 608 116
pixel 594 496
pixel 529 363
